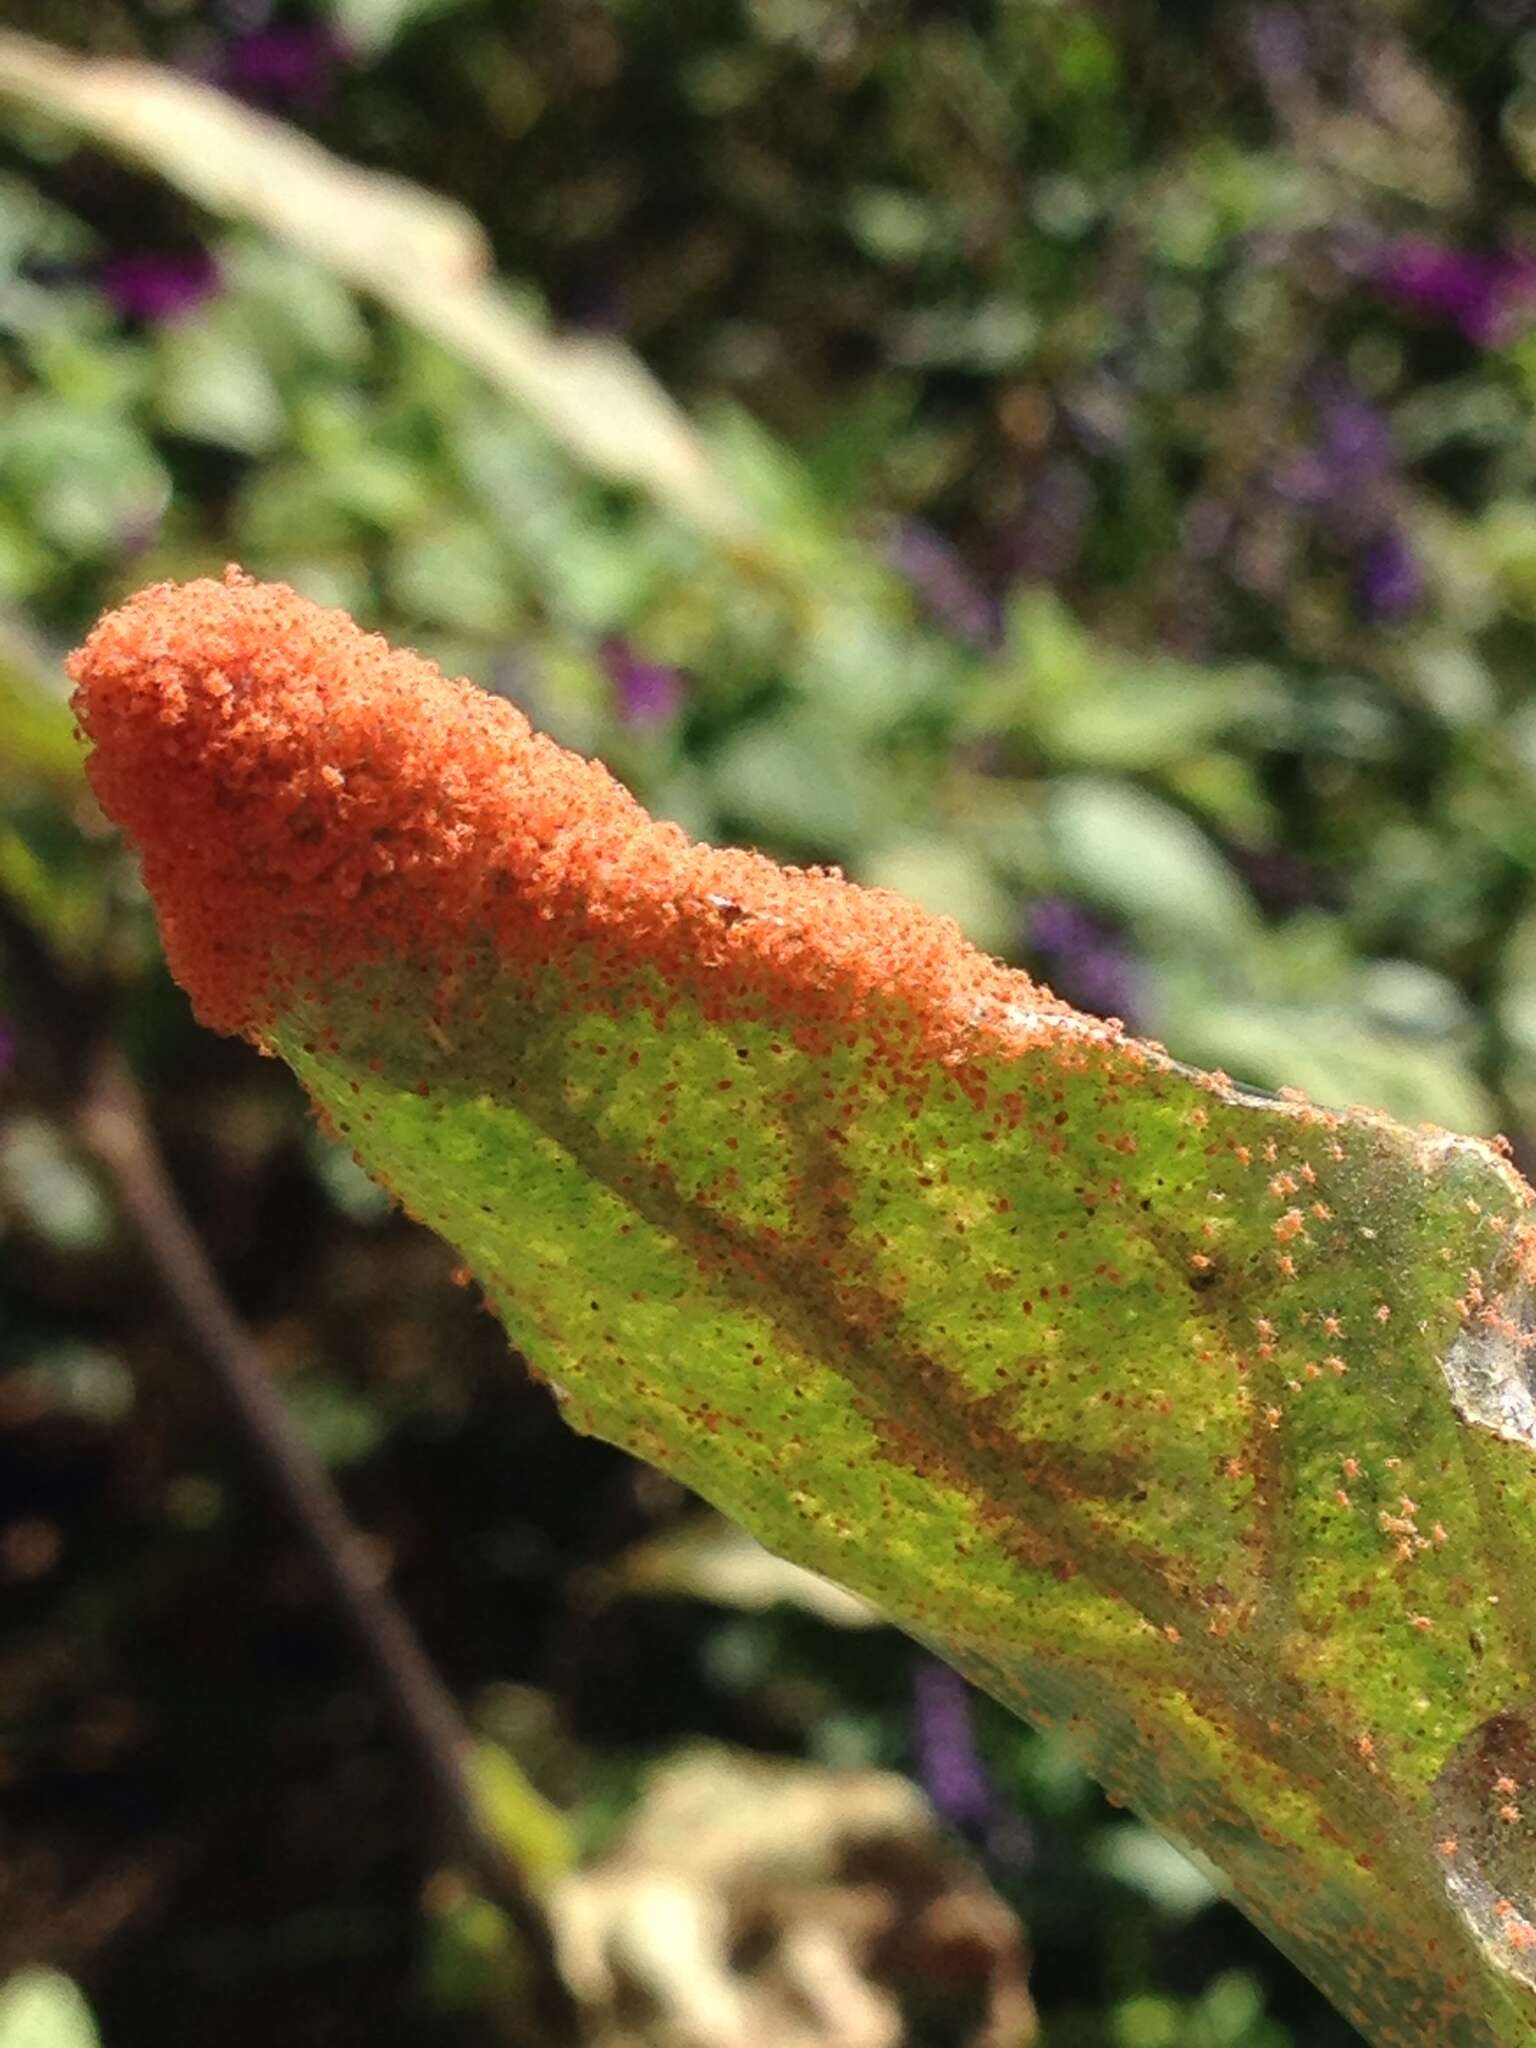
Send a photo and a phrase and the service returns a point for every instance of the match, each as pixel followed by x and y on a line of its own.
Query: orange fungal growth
pixel 308 801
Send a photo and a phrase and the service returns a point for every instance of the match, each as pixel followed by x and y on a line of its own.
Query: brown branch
pixel 114 1123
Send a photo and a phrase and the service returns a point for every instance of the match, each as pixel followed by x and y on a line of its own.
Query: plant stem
pixel 114 1123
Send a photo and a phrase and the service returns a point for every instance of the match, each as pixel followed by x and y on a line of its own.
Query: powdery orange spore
pixel 307 801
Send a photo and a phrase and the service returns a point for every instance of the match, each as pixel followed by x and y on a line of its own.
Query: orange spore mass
pixel 308 800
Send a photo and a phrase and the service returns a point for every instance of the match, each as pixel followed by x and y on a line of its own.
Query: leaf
pixel 40 742
pixel 1299 1007
pixel 711 1559
pixel 86 478
pixel 519 1815
pixel 1338 1057
pixel 948 877
pixel 798 780
pixel 44 2009
pixel 1145 860
pixel 421 255
pixel 1193 1423
pixel 370 26
pixel 215 385
pixel 1092 705
pixel 453 573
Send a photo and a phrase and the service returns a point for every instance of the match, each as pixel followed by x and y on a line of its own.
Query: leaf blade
pixel 1185 1417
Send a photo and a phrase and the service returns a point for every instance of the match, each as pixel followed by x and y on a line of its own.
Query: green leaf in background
pixel 1293 1006
pixel 40 743
pixel 799 781
pixel 949 878
pixel 215 384
pixel 1193 1424
pixel 518 1815
pixel 88 476
pixel 452 573
pixel 45 2009
pixel 372 25
pixel 420 254
pixel 1088 705
pixel 1143 858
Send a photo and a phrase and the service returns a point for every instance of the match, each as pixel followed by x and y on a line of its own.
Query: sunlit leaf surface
pixel 1191 1421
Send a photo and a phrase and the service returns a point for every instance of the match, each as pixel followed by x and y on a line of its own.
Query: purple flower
pixel 1390 581
pixel 1357 442
pixel 649 693
pixel 1351 456
pixel 1485 294
pixel 159 286
pixel 282 67
pixel 1083 958
pixel 950 1767
pixel 948 1762
pixel 947 589
pixel 1057 926
pixel 1347 479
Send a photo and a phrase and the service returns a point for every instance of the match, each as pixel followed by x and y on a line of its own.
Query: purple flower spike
pixel 1057 926
pixel 1486 295
pixel 282 67
pixel 950 1768
pixel 1083 959
pixel 1352 454
pixel 1357 441
pixel 1390 584
pixel 159 286
pixel 649 692
pixel 948 1762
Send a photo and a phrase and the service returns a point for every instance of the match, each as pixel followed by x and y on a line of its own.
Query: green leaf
pixel 454 574
pixel 40 743
pixel 304 313
pixel 1142 858
pixel 215 385
pixel 419 254
pixel 1296 1007
pixel 893 226
pixel 950 879
pixel 518 1815
pixel 1194 1424
pixel 372 25
pixel 84 477
pixel 1090 705
pixel 1337 1056
pixel 44 2009
pixel 798 782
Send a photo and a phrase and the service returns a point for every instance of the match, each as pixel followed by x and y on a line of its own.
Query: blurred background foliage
pixel 1100 506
